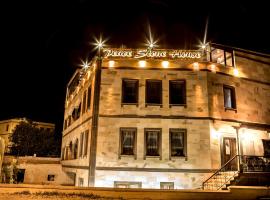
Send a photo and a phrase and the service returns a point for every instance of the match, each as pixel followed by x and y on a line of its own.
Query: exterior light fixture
pixel 111 63
pixel 203 46
pixel 235 72
pixel 213 68
pixel 196 66
pixel 85 64
pixel 142 63
pixel 165 64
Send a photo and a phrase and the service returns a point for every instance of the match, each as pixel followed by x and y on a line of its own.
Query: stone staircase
pixel 221 180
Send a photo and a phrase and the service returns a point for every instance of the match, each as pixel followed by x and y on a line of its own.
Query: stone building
pixel 7 127
pixel 34 170
pixel 160 118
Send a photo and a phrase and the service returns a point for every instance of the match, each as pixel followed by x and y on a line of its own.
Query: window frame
pixel 159 143
pixel 184 92
pixel 184 131
pixel 233 96
pixel 160 91
pixel 134 142
pixel 127 183
pixel 123 93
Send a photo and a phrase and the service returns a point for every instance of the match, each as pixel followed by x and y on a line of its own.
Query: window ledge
pixel 153 104
pixel 155 157
pixel 232 109
pixel 127 156
pixel 179 158
pixel 129 104
pixel 178 105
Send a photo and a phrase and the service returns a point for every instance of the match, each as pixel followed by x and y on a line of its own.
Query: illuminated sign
pixel 150 53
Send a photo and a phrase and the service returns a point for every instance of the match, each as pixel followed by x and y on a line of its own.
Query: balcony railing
pixel 255 164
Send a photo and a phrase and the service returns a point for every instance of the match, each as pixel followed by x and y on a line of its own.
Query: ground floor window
pixel 126 184
pixel 167 185
pixel 51 177
pixel 80 184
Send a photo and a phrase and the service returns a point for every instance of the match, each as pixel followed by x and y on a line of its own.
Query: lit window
pixel 178 142
pixel 229 97
pixel 154 92
pixel 152 142
pixel 127 140
pixel 130 91
pixel 167 185
pixel 177 90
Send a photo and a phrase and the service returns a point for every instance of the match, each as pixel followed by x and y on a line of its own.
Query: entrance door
pixel 228 152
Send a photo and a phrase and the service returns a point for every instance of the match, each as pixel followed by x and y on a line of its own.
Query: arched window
pixel 75 152
pixel 70 151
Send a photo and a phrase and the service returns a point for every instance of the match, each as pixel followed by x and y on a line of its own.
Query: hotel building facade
pixel 169 119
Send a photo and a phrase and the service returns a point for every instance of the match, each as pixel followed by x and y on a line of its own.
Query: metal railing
pixel 222 176
pixel 251 163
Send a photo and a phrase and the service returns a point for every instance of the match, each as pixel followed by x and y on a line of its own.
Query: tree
pixel 28 140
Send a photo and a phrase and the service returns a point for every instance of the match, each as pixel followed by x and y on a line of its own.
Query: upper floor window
pixel 229 97
pixel 84 102
pixel 85 149
pixel 152 142
pixel 81 145
pixel 7 128
pixel 153 92
pixel 124 184
pixel 177 90
pixel 130 91
pixel 51 177
pixel 89 98
pixel 127 141
pixel 178 142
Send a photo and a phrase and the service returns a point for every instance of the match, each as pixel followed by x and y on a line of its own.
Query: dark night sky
pixel 42 41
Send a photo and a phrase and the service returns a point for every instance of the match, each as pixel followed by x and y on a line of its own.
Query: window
pixel 81 145
pixel 70 151
pixel 76 144
pixel 167 185
pixel 153 92
pixel 124 184
pixel 178 142
pixel 85 143
pixel 84 102
pixel 89 98
pixel 127 141
pixel 130 91
pixel 229 97
pixel 7 127
pixel 80 184
pixel 152 142
pixel 177 90
pixel 50 177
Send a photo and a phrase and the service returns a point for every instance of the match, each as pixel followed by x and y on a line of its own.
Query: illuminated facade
pixel 164 118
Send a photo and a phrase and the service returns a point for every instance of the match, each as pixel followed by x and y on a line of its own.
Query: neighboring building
pixel 35 170
pixel 166 118
pixel 7 127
